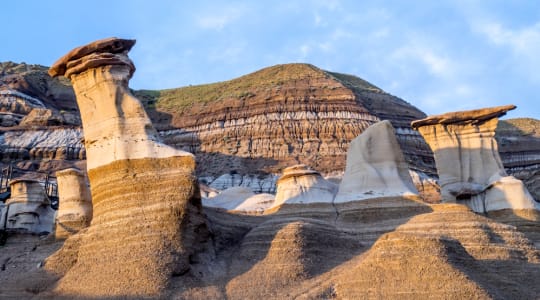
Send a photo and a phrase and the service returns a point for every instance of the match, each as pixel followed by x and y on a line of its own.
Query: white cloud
pixel 523 44
pixel 437 64
pixel 304 50
pixel 325 47
pixel 318 19
pixel 523 40
pixel 219 20
pixel 228 55
pixel 328 4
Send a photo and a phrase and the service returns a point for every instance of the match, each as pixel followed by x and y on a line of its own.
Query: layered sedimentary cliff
pixel 282 115
pixel 150 237
pixel 246 130
pixel 39 119
pixel 519 148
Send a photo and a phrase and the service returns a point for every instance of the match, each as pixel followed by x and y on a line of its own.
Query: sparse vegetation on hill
pixel 525 126
pixel 245 87
pixel 9 67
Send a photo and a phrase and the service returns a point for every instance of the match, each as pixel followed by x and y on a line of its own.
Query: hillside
pixel 284 114
pixel 34 81
pixel 154 233
pixel 246 130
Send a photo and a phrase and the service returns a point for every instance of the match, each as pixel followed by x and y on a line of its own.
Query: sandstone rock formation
pixel 240 199
pixel 47 117
pixel 146 204
pixel 258 183
pixel 24 86
pixel 43 144
pixel 33 82
pixel 229 198
pixel 207 192
pixel 75 203
pixel 449 253
pixel 470 169
pixel 375 167
pixel 301 185
pixel 280 116
pixel 28 209
pixel 519 148
pixel 257 203
pixel 389 247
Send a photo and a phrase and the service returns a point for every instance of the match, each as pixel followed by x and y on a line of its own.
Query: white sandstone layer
pixel 375 167
pixel 301 185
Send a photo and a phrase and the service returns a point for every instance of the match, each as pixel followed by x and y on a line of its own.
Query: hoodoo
pixel 75 205
pixel 145 196
pixel 28 209
pixel 468 162
pixel 301 185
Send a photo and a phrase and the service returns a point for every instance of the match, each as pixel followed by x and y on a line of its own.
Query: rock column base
pixel 146 225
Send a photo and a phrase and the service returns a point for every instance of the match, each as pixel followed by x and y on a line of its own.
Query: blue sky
pixel 438 55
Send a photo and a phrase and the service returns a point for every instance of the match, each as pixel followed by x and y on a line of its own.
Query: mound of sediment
pixel 284 114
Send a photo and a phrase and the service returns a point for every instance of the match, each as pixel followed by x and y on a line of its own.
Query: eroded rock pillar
pixel 28 209
pixel 300 184
pixel 146 203
pixel 468 162
pixel 75 204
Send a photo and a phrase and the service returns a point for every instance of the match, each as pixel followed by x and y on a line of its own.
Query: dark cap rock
pixel 111 45
pixel 469 116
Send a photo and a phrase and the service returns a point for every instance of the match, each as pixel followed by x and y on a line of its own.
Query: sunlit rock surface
pixel 145 196
pixel 28 209
pixel 75 203
pixel 468 162
pixel 301 185
pixel 375 167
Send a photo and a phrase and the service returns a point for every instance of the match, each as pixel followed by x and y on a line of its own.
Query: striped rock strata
pixel 146 203
pixel 75 203
pixel 519 147
pixel 281 116
pixel 469 166
pixel 388 248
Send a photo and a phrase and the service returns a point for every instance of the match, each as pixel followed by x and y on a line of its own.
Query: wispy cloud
pixel 523 43
pixel 437 63
pixel 523 40
pixel 219 20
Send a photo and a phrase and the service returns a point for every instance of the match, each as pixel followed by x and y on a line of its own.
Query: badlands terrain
pixel 291 182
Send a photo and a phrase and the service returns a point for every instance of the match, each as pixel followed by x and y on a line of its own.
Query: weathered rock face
pixel 120 127
pixel 75 204
pixel 146 203
pixel 301 185
pixel 32 81
pixel 257 203
pixel 519 148
pixel 257 183
pixel 468 162
pixel 48 117
pixel 449 253
pixel 42 144
pixel 229 199
pixel 277 117
pixel 427 186
pixel 28 208
pixel 375 167
pixel 240 199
